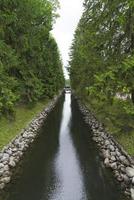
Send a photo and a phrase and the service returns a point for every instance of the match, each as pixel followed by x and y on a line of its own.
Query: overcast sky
pixel 70 13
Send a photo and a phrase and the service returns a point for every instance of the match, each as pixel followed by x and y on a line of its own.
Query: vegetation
pixel 67 82
pixel 24 114
pixel 102 64
pixel 30 64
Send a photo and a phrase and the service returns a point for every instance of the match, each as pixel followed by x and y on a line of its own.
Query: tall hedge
pixel 30 64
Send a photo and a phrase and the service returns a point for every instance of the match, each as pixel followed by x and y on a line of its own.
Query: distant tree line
pixel 102 53
pixel 30 64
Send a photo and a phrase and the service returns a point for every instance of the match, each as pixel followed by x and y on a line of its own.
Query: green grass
pixel 127 142
pixel 116 120
pixel 24 114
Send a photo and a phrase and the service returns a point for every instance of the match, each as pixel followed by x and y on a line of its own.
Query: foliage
pixel 24 114
pixel 102 56
pixel 30 64
pixel 102 61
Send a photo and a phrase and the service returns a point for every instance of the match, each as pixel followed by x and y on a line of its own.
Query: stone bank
pixel 14 151
pixel 112 153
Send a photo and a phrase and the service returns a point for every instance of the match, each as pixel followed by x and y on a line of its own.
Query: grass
pixel 116 120
pixel 23 115
pixel 127 142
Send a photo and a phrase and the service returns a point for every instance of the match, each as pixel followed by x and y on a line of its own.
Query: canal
pixel 63 163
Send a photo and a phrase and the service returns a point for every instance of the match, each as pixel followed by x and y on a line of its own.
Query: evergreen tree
pixel 102 53
pixel 30 64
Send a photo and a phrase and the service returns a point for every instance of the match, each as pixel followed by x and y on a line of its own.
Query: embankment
pixel 14 151
pixel 113 154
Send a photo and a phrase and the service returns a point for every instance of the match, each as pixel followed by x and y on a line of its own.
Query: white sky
pixel 70 13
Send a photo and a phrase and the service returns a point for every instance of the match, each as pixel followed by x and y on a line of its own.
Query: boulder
pixel 122 158
pixel 113 165
pixel 111 147
pixel 107 162
pixel 126 179
pixel 1 171
pixel 118 153
pixel 6 168
pixel 120 178
pixel 12 163
pixel 106 153
pixel 113 158
pixel 2 185
pixel 9 151
pixel 5 157
pixel 1 165
pixel 5 180
pixel 116 173
pixel 113 153
pixel 123 169
pixel 107 142
pixel 130 172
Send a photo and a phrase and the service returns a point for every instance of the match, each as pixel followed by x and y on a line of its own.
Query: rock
pixel 113 153
pixel 14 149
pixel 102 143
pixel 116 173
pixel 132 193
pixel 130 172
pixel 126 179
pixel 95 139
pixel 25 135
pixel 126 162
pixel 5 180
pixel 106 153
pixel 1 165
pixel 5 157
pixel 122 158
pixel 6 168
pixel 19 153
pixel 102 135
pixel 113 165
pixel 100 139
pixel 120 178
pixel 123 169
pixel 2 185
pixel 7 174
pixel 1 171
pixel 107 162
pixel 12 163
pixel 118 153
pixel 113 158
pixel 111 147
pixel 127 192
pixel 9 151
pixel 107 142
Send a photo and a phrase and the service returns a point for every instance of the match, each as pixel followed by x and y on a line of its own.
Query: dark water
pixel 64 163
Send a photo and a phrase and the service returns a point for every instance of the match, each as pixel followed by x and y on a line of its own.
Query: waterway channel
pixel 63 163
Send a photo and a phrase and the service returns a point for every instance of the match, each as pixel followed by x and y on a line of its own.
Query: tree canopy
pixel 102 53
pixel 30 63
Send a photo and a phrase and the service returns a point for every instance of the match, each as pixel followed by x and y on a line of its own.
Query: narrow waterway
pixel 64 163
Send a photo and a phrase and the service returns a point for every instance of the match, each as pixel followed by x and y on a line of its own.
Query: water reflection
pixel 70 180
pixel 98 182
